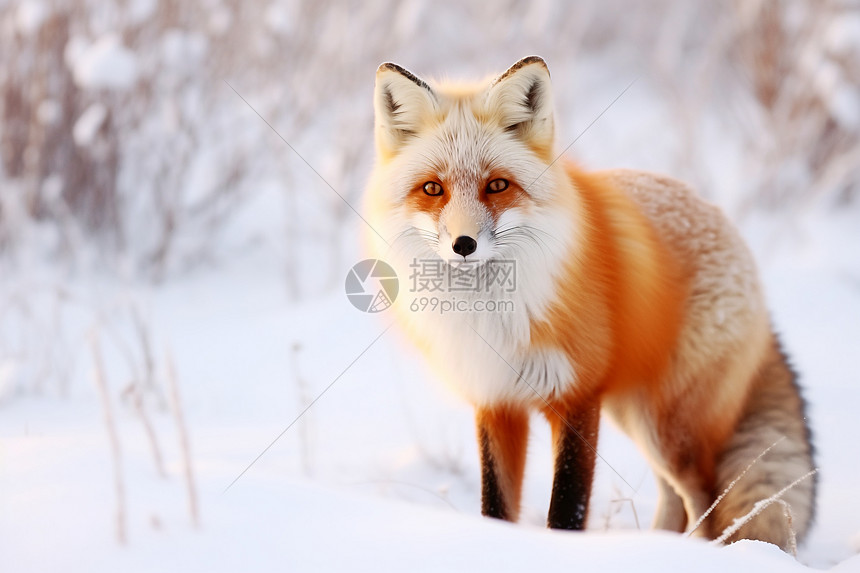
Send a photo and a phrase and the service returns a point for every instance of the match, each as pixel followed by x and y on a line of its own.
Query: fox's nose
pixel 464 245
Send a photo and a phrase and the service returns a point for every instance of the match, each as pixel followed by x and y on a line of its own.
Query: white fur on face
pixel 486 356
pixel 463 153
pixel 424 132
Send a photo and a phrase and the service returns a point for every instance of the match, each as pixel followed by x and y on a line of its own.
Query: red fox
pixel 633 296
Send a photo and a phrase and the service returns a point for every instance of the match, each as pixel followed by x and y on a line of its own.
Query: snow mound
pixel 30 16
pixel 88 124
pixel 105 64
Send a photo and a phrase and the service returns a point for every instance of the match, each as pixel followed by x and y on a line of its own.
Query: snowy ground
pixel 381 473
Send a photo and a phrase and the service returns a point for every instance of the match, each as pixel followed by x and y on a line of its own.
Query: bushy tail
pixel 774 416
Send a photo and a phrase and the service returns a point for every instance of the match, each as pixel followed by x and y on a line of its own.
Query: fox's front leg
pixel 503 434
pixel 574 437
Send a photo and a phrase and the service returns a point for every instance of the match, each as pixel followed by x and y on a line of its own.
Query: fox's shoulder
pixel 680 216
pixel 698 234
pixel 653 192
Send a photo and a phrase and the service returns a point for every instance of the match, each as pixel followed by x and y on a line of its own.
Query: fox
pixel 634 297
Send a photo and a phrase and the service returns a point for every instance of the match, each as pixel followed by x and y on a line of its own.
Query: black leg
pixel 492 500
pixel 574 433
pixel 502 439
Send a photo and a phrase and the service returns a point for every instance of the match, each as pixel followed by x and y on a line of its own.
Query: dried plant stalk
pixel 113 436
pixel 190 484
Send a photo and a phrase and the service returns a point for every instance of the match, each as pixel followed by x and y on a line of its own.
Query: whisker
pixel 428 241
pixel 519 236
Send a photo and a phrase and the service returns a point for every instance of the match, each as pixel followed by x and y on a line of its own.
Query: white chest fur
pixel 480 343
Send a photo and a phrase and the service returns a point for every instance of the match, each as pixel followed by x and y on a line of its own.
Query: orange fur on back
pixel 620 300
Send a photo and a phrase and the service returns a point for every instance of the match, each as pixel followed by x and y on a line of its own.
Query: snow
pixel 7 374
pixel 73 51
pixel 180 49
pixel 843 35
pixel 845 106
pixel 219 20
pixel 48 111
pixel 279 17
pixel 88 124
pixel 30 16
pixel 323 529
pixel 104 64
pixel 141 10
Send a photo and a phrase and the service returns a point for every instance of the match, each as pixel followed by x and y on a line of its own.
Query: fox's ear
pixel 401 102
pixel 521 100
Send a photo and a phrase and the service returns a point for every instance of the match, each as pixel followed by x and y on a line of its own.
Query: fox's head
pixel 465 171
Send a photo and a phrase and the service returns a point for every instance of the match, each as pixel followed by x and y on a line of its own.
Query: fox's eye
pixel 497 185
pixel 432 188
